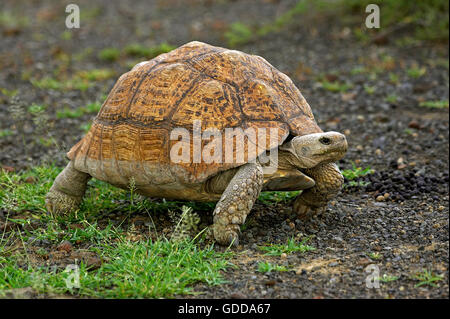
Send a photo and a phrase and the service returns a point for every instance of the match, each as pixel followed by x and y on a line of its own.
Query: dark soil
pixel 401 216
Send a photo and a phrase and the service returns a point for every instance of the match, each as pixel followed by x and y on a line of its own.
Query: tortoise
pixel 205 88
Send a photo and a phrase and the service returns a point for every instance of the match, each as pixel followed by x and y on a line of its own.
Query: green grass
pixel 9 93
pixel 109 54
pixel 266 267
pixel 393 78
pixel 290 247
pixel 13 20
pixel 75 83
pixel 66 35
pixel 392 98
pixel 96 74
pixel 353 174
pixel 426 277
pixel 375 256
pixel 82 80
pixel 369 89
pixel 238 34
pixel 358 70
pixel 129 269
pixel 336 86
pixel 416 72
pixel 434 104
pixel 139 50
pixel 144 269
pixel 356 172
pixel 36 108
pixel 5 133
pixel 277 197
pixel 85 127
pixel 387 278
pixel 91 108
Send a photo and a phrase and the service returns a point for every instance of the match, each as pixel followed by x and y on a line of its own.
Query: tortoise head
pixel 314 149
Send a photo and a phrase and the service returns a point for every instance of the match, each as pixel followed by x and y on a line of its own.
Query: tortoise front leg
pixel 313 201
pixel 67 191
pixel 236 202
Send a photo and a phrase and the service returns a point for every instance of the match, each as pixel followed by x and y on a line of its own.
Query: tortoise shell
pixel 130 137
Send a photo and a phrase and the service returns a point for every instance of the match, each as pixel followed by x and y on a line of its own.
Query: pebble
pixel 237 295
pixel 333 264
pixel 414 124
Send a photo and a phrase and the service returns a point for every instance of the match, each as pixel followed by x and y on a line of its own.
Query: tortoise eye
pixel 325 140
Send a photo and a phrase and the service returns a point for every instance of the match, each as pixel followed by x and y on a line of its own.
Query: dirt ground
pixel 405 142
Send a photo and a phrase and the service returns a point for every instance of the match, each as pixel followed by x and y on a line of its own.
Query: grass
pixel 9 93
pixel 356 172
pixel 387 278
pixel 369 89
pixel 130 268
pixel 82 80
pixel 5 133
pixel 109 54
pixel 375 256
pixel 394 78
pixel 13 20
pixel 336 86
pixel 135 50
pixel 85 127
pixel 266 267
pixel 96 74
pixel 426 277
pixel 48 82
pixel 144 269
pixel 416 72
pixel 277 197
pixel 36 108
pixel 238 34
pixel 353 174
pixel 392 98
pixel 91 108
pixel 290 247
pixel 139 50
pixel 434 104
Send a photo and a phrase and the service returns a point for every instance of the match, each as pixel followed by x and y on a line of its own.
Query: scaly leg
pixel 313 201
pixel 236 202
pixel 67 191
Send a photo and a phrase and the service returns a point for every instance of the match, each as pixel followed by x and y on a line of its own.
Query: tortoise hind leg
pixel 67 191
pixel 236 202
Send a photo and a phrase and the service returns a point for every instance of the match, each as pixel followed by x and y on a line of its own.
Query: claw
pixel 226 236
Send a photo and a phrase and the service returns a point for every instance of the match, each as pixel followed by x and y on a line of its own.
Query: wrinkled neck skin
pixel 288 161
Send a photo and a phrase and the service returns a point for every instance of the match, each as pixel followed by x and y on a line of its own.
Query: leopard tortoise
pixel 202 88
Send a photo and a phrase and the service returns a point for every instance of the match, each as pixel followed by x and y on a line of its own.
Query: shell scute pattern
pixel 221 88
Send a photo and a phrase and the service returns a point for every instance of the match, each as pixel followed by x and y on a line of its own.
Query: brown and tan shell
pixel 223 88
